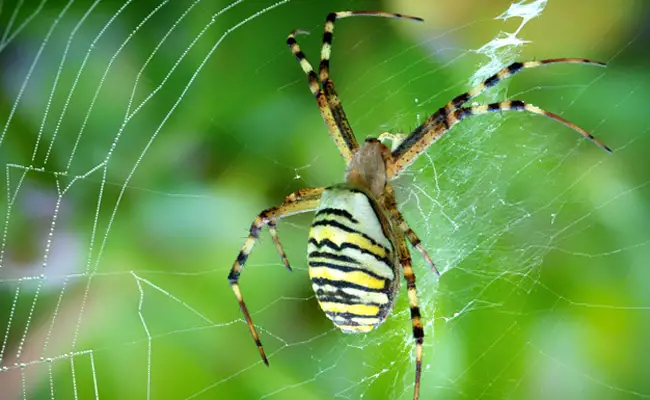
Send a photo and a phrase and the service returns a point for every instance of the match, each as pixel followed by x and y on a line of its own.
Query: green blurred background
pixel 147 136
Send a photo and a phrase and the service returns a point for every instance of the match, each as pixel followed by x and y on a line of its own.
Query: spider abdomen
pixel 351 258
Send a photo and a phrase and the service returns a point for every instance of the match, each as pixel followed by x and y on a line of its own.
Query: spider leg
pixel 423 136
pixel 344 140
pixel 398 220
pixel 274 234
pixel 518 105
pixel 389 203
pixel 509 71
pixel 436 125
pixel 298 202
pixel 415 242
pixel 416 318
pixel 328 85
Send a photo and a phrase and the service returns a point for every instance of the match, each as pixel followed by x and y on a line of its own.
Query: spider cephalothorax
pixel 367 168
pixel 357 242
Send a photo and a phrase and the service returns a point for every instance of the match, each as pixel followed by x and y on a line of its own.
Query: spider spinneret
pixel 358 239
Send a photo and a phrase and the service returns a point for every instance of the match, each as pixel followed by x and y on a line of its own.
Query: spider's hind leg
pixel 298 202
pixel 416 318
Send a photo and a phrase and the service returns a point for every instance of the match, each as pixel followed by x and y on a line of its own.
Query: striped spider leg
pixel 453 112
pixel 324 68
pixel 327 98
pixel 298 202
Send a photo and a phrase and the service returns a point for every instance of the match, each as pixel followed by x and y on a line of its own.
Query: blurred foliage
pixel 121 222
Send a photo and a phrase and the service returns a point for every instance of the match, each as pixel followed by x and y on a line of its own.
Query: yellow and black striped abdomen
pixel 352 264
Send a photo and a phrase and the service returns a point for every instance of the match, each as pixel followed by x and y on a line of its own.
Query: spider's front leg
pixel 441 121
pixel 298 202
pixel 344 139
pixel 327 83
pixel 322 86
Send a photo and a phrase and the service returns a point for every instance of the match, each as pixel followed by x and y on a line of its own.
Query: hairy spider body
pixel 358 239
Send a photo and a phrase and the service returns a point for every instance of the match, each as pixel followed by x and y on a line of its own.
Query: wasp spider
pixel 357 242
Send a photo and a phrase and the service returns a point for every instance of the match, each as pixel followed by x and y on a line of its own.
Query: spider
pixel 357 241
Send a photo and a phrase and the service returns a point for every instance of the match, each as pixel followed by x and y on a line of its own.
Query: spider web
pixel 139 140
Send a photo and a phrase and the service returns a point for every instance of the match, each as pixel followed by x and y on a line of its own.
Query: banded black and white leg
pixel 324 69
pixel 390 204
pixel 416 317
pixel 327 98
pixel 517 105
pixel 344 139
pixel 446 117
pixel 298 202
pixel 508 72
